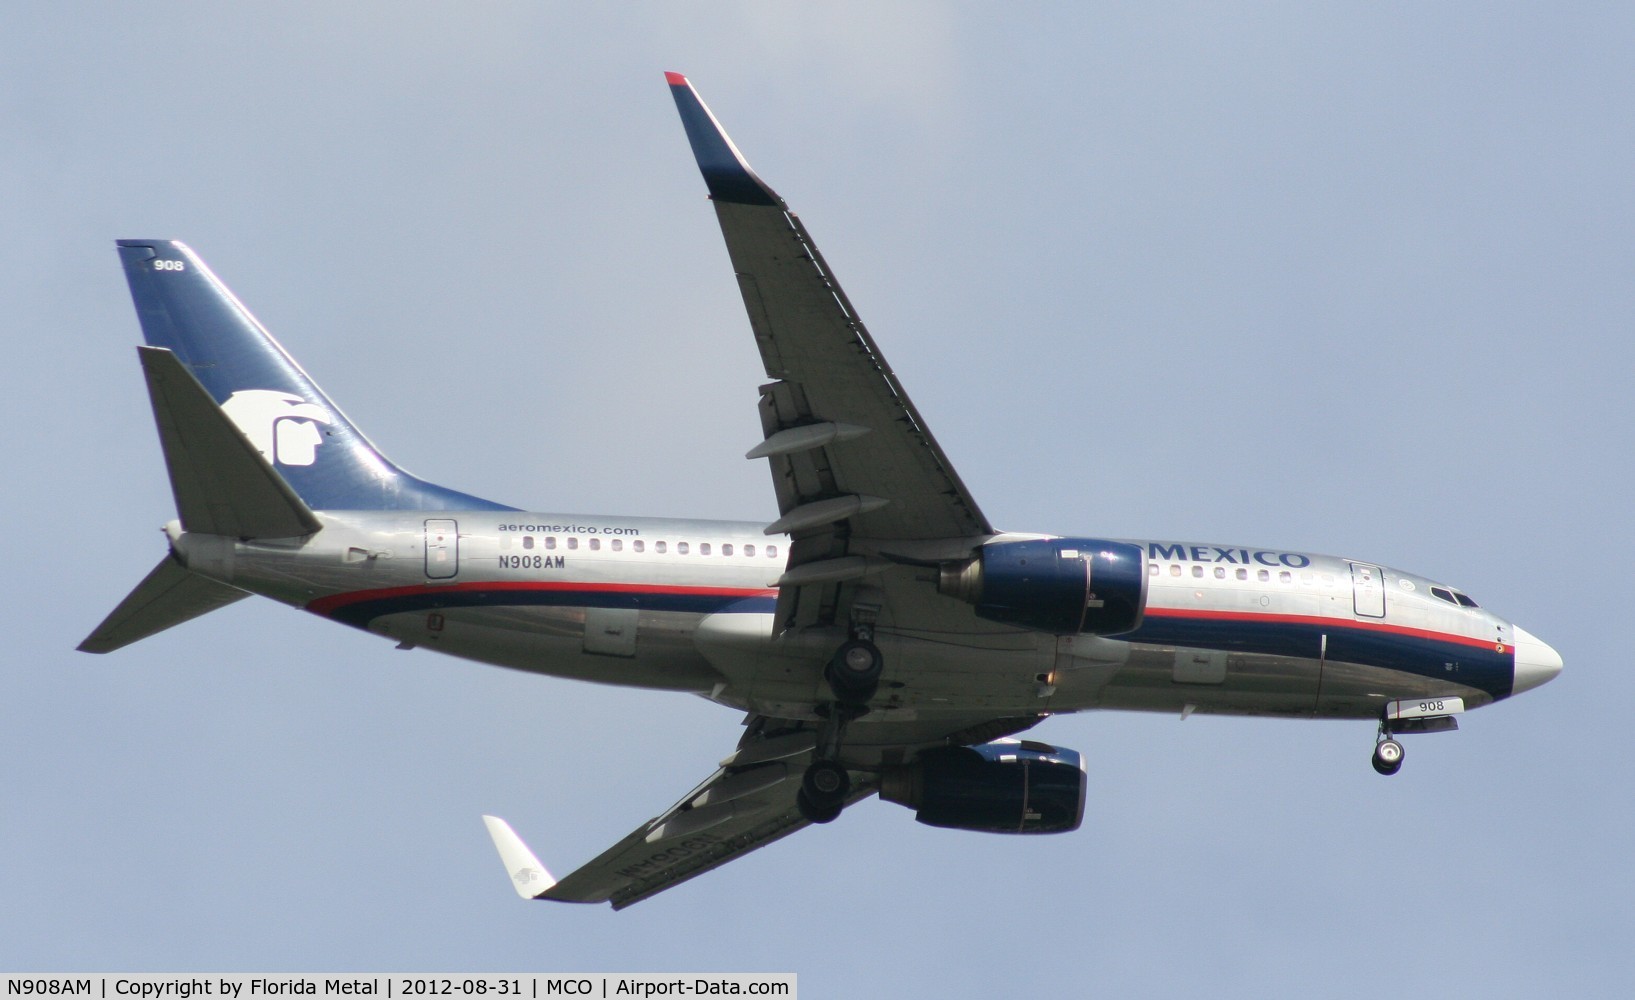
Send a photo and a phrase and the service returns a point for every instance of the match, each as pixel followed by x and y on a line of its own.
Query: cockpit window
pixel 1454 597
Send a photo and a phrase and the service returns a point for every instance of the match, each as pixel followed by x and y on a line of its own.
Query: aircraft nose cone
pixel 1536 662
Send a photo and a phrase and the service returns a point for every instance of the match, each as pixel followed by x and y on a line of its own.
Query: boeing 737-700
pixel 880 637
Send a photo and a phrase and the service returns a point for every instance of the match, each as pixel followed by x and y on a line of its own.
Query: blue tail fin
pixel 328 462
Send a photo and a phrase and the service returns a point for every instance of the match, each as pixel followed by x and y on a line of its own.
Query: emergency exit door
pixel 442 549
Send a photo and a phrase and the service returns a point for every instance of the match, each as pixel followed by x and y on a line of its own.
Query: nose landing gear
pixel 1430 714
pixel 1387 753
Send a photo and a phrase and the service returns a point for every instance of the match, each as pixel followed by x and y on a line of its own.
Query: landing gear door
pixel 442 549
pixel 1368 590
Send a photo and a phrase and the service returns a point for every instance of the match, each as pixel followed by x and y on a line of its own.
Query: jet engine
pixel 1007 786
pixel 1065 586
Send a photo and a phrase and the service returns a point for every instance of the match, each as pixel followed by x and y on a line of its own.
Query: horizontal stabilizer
pixel 222 484
pixel 170 595
pixel 528 876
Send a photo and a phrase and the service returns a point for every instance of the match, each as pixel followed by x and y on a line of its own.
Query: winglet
pixel 528 876
pixel 725 170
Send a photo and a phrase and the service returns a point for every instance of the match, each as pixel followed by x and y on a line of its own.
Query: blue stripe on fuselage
pixel 1485 667
pixel 361 612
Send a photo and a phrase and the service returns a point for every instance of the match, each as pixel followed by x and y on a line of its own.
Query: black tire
pixel 814 813
pixel 1388 756
pixel 854 671
pixel 826 783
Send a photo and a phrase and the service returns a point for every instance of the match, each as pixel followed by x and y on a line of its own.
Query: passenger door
pixel 442 548
pixel 1368 590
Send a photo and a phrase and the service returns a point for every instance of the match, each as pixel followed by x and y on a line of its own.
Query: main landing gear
pixel 823 791
pixel 853 675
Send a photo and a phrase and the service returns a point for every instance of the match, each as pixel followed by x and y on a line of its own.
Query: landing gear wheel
pixel 854 671
pixel 823 791
pixel 812 813
pixel 826 782
pixel 1387 756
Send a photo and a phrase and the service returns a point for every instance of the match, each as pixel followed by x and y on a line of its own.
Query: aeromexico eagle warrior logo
pixel 282 426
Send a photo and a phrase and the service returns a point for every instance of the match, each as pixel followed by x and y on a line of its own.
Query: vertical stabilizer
pixel 185 309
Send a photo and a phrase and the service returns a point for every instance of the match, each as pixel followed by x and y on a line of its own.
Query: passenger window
pixel 1198 571
pixel 703 548
pixel 1285 577
pixel 616 545
pixel 1264 576
pixel 638 545
pixel 573 543
pixel 527 541
pixel 772 552
pixel 726 549
pixel 550 541
pixel 749 550
pixel 1243 574
pixel 595 544
pixel 681 548
pixel 1174 570
pixel 659 547
pixel 1152 569
pixel 1220 572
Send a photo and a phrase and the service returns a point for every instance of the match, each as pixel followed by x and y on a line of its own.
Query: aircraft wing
pixel 747 803
pixel 852 461
pixel 862 487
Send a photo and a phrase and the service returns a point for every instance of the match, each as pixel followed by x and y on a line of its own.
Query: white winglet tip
pixel 528 876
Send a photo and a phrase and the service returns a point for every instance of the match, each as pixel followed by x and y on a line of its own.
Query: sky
pixel 1341 278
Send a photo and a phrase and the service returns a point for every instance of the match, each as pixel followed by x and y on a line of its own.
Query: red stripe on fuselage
pixel 1353 623
pixel 325 605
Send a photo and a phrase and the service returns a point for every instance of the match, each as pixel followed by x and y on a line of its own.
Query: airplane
pixel 880 637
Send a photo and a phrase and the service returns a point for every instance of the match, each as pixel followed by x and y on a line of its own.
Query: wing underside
pixel 856 470
pixel 747 803
pixel 871 504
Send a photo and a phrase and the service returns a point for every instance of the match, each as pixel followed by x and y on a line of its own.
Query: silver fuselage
pixel 687 605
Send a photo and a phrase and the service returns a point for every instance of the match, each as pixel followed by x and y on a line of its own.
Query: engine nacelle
pixel 1064 586
pixel 1007 786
